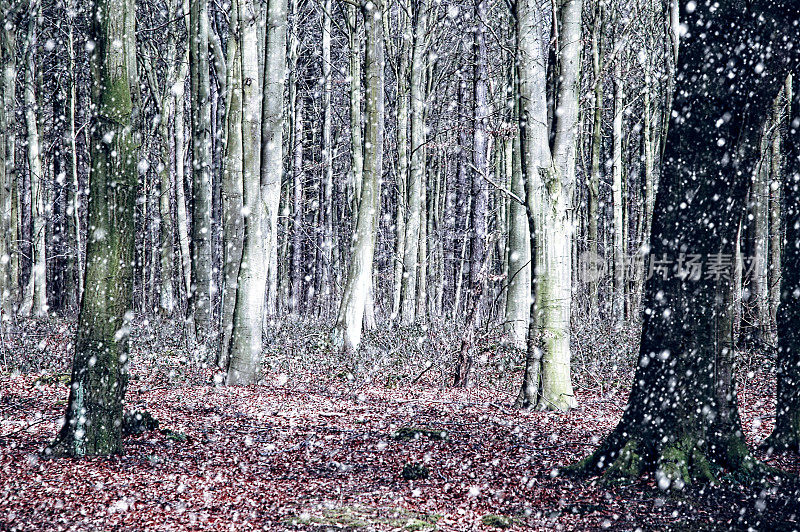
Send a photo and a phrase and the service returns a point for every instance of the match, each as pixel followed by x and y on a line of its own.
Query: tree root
pixel 675 465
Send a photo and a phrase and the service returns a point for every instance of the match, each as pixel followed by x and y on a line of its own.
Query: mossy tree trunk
pixel 93 421
pixel 681 420
pixel 549 181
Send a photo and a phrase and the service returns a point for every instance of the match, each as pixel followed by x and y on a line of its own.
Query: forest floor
pixel 314 452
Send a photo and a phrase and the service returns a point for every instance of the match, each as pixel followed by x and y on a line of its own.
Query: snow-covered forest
pixel 399 264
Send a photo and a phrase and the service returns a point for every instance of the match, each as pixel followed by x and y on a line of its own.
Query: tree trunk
pixel 480 161
pixel 347 332
pixel 549 183
pixel 74 202
pixel 326 235
pixel 759 199
pixel 518 297
pixel 8 125
pixel 417 174
pixel 619 284
pixel 782 118
pixel 35 301
pixel 201 288
pixel 681 420
pixel 272 138
pixel 232 183
pixel 174 74
pixel 244 359
pixel 93 423
pixel 297 202
pixel 786 434
pixel 180 195
pixel 403 214
pixel 356 133
pixel 597 150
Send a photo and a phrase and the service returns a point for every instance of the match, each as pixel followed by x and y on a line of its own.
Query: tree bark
pixel 35 300
pixel 619 282
pixel 480 161
pixel 347 332
pixel 417 174
pixel 93 422
pixel 232 183
pixel 272 138
pixel 782 118
pixel 597 149
pixel 786 434
pixel 402 212
pixel 202 280
pixel 8 125
pixel 180 196
pixel 549 184
pixel 244 359
pixel 681 420
pixel 518 297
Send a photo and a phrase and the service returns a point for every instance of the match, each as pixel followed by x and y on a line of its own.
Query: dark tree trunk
pixel 677 423
pixel 786 435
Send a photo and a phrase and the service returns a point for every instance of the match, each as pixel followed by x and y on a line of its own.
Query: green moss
pixel 702 468
pixel 627 466
pixel 497 521
pixel 673 464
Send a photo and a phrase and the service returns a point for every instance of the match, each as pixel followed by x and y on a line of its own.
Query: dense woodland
pixel 569 229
